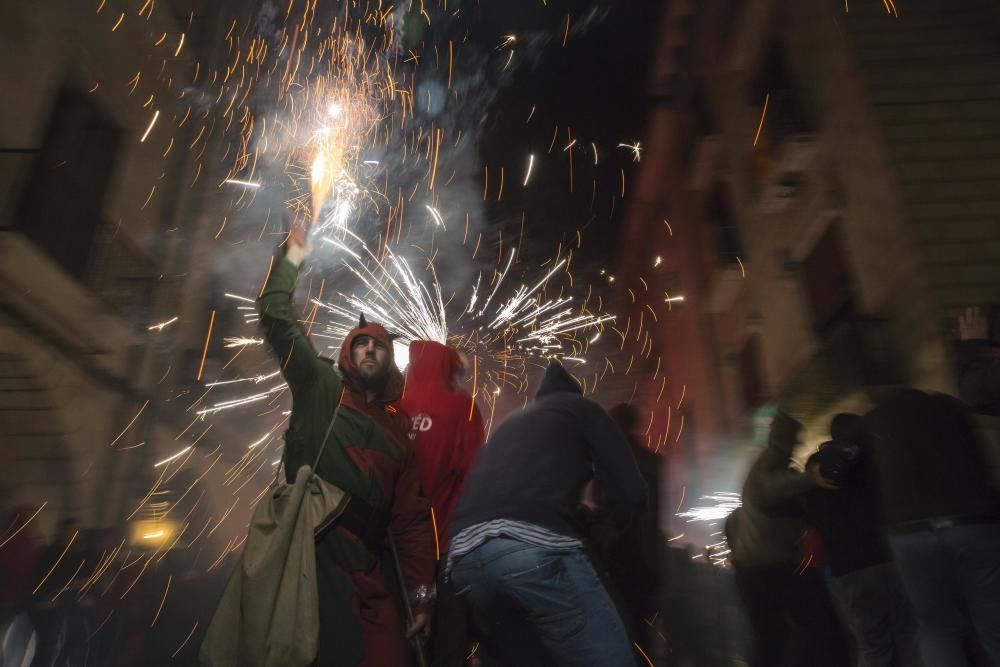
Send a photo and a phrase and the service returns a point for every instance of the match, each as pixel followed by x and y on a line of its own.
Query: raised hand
pixel 298 223
pixel 972 325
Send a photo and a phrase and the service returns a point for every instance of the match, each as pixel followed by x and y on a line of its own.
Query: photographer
pixel 790 612
pixel 864 581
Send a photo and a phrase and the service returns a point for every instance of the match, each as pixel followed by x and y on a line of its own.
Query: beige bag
pixel 269 613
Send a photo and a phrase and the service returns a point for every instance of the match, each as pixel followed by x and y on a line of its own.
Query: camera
pixel 836 459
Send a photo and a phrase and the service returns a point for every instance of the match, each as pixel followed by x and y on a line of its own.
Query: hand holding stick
pixel 418 626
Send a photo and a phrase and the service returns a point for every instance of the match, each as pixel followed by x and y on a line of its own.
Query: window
pixel 732 11
pixel 751 375
pixel 704 118
pixel 786 112
pixel 725 233
pixel 826 280
pixel 60 210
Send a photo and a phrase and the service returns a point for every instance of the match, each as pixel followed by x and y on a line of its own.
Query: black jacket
pixel 849 519
pixel 979 376
pixel 929 458
pixel 536 463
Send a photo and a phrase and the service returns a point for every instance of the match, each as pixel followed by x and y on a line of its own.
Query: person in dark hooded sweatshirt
pixel 368 455
pixel 515 554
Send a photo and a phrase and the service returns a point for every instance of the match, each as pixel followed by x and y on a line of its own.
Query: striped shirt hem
pixel 477 534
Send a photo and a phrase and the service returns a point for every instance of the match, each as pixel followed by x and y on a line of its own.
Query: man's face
pixel 371 358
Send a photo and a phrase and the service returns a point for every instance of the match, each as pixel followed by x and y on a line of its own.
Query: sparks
pixel 172 458
pixel 724 504
pixel 436 215
pixel 156 114
pixel 531 164
pixel 636 149
pixel 162 325
pixel 241 341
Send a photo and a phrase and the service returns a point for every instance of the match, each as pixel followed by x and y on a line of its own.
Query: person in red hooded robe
pixel 447 433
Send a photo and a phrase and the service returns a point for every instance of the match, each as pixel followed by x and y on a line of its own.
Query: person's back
pixel 515 553
pixel 537 462
pixel 863 580
pixel 929 458
pixel 943 517
pixel 849 519
pixel 767 529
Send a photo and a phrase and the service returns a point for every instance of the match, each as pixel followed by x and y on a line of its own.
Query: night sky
pixel 592 89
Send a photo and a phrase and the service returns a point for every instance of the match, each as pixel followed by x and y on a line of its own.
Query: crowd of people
pixel 542 545
pixel 422 544
pixel 496 545
pixel 902 502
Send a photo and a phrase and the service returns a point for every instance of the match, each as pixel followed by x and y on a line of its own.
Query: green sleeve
pixel 771 482
pixel 300 364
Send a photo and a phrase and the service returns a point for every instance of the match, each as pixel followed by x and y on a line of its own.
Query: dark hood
pixel 432 364
pixel 557 379
pixel 784 436
pixel 394 385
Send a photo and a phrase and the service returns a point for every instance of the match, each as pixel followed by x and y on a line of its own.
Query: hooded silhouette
pixel 536 463
pixel 557 379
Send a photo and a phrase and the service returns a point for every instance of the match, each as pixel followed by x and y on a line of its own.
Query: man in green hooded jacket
pixel 367 454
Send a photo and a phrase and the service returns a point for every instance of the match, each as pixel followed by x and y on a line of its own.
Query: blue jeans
pixel 880 616
pixel 952 576
pixel 536 606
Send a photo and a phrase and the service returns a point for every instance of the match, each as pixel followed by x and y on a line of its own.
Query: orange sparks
pixel 269 267
pixel 149 129
pixel 186 640
pixel 11 536
pixel 54 565
pixel 475 386
pixel 762 115
pixel 165 591
pixel 437 544
pixel 129 424
pixel 437 148
pixel 646 657
pixel 118 22
pixel 204 352
pixel 148 199
pixel 451 57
